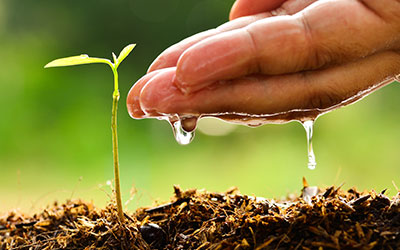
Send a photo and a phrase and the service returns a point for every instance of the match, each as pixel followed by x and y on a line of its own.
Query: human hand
pixel 303 55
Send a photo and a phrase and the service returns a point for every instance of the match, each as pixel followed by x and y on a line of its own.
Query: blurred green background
pixel 55 137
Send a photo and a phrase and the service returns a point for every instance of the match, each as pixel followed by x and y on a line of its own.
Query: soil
pixel 317 219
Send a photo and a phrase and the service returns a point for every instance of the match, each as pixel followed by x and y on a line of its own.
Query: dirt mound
pixel 318 219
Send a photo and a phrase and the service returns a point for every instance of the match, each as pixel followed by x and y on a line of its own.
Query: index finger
pixel 242 8
pixel 169 57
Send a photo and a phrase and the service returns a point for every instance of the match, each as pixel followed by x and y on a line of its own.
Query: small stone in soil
pixel 153 235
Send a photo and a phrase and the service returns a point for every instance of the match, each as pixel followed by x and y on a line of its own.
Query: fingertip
pixel 156 64
pixel 221 57
pixel 188 78
pixel 166 59
pixel 186 70
pixel 159 94
pixel 233 12
pixel 251 7
pixel 132 101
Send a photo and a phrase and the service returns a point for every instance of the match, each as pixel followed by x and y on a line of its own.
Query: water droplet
pixel 309 127
pixel 182 136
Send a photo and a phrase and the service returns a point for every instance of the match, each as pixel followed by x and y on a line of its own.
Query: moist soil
pixel 317 219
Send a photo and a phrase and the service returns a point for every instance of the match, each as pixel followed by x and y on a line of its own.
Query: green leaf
pixel 125 52
pixel 115 58
pixel 76 60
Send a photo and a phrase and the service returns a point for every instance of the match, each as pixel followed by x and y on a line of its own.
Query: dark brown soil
pixel 318 219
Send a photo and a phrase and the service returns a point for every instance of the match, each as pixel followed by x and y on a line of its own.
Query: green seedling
pixel 85 59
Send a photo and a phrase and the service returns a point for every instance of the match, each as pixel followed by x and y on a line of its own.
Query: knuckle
pixel 318 56
pixel 324 98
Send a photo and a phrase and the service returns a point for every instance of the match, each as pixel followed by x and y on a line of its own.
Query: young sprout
pixel 85 59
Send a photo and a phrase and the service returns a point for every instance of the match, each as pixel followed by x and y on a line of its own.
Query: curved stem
pixel 115 146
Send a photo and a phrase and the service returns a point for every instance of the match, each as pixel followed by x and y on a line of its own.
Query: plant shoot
pixel 85 59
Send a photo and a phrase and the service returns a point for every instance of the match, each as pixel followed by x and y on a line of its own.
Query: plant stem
pixel 115 145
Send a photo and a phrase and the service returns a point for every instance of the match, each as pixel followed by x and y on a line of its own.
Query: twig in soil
pixel 167 205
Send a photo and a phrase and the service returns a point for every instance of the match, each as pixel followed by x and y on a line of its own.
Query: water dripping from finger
pixel 183 128
pixel 397 78
pixel 309 127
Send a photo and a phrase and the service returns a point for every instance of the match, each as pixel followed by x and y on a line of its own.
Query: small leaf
pixel 125 52
pixel 76 60
pixel 115 58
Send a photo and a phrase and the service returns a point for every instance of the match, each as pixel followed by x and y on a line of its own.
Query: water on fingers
pixel 184 125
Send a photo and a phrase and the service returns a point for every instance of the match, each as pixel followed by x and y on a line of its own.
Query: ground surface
pixel 318 219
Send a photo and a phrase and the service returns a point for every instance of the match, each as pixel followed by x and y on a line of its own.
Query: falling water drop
pixel 182 136
pixel 309 127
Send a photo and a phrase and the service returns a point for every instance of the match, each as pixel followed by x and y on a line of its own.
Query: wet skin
pixel 275 56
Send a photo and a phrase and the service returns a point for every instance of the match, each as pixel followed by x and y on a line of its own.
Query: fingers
pixel 324 34
pixel 260 95
pixel 170 56
pixel 132 101
pixel 250 7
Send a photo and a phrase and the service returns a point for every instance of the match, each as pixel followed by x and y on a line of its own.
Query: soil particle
pixel 193 219
pixel 153 235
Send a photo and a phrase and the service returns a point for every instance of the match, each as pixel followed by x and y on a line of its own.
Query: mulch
pixel 194 219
